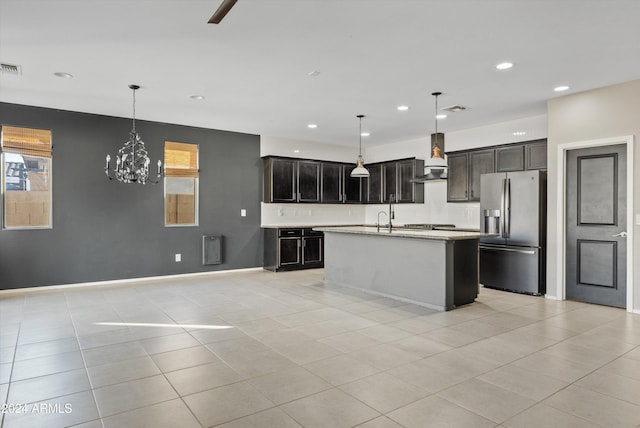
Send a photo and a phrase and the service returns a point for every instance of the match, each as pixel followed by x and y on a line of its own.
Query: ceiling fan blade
pixel 222 10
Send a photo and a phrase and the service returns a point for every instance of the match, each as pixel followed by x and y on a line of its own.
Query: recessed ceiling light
pixel 561 88
pixel 365 134
pixel 197 97
pixel 313 73
pixel 519 133
pixel 504 65
pixel 63 75
pixel 441 116
pixel 402 108
pixel 312 126
pixel 296 151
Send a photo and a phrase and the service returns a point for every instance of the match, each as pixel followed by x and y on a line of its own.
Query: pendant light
pixel 360 171
pixel 132 161
pixel 437 160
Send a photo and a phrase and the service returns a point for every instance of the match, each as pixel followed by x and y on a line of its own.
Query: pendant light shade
pixel 360 171
pixel 436 162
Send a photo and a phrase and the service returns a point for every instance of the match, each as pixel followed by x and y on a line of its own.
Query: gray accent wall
pixel 106 230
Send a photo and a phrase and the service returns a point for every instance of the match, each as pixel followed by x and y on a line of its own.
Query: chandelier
pixel 132 161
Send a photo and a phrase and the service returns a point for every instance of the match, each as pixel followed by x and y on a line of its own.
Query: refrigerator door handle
pixel 511 250
pixel 503 212
pixel 507 207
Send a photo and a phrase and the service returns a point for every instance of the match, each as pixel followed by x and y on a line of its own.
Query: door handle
pixel 620 235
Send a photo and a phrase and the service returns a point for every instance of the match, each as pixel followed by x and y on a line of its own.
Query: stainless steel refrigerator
pixel 513 206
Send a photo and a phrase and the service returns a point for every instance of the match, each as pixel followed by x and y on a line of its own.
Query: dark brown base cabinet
pixel 292 249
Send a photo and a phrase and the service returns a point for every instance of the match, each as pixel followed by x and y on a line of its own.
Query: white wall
pixel 276 146
pixel 604 113
pixel 435 209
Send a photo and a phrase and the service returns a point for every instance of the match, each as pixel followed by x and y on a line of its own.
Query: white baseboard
pixel 124 281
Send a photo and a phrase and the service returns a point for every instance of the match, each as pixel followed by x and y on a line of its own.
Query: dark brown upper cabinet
pixel 354 187
pixel 408 191
pixel 374 183
pixel 389 171
pixel 536 155
pixel 280 180
pixel 308 181
pixel 466 166
pixel 480 162
pixel 458 177
pixel 331 183
pixel 510 158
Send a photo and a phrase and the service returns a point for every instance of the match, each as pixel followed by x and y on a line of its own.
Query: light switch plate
pixel 243 213
pixel 638 219
pixel 178 257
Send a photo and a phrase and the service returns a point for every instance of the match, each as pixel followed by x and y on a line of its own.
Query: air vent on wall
pixel 454 108
pixel 10 69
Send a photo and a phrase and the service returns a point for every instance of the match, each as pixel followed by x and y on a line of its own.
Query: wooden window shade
pixel 180 159
pixel 26 141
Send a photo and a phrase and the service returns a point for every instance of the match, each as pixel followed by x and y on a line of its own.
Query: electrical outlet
pixel 178 257
pixel 243 212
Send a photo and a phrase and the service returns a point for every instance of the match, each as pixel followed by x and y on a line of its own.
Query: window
pixel 26 172
pixel 180 184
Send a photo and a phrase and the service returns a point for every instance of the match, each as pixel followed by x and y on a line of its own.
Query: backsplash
pixel 311 214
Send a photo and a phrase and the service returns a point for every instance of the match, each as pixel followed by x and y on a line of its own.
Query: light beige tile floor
pixel 296 352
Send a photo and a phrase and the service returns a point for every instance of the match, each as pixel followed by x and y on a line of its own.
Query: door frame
pixel 561 214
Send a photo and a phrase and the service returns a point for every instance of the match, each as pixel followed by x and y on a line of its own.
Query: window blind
pixel 180 159
pixel 26 141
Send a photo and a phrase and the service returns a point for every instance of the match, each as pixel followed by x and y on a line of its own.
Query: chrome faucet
pixel 391 213
pixel 378 223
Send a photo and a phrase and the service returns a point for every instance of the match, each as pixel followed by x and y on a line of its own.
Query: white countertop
pixel 443 235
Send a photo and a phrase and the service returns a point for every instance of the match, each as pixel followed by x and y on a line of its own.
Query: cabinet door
pixel 283 181
pixel 374 188
pixel 331 183
pixel 289 251
pixel 308 181
pixel 457 177
pixel 406 173
pixel 312 250
pixel 482 162
pixel 352 186
pixel 389 170
pixel 536 155
pixel 510 159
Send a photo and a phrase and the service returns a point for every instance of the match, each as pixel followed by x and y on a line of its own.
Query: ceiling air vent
pixel 10 69
pixel 454 108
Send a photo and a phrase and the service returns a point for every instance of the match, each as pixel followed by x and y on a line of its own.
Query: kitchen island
pixel 437 269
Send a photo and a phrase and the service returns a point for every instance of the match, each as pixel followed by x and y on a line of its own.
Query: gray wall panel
pixel 105 230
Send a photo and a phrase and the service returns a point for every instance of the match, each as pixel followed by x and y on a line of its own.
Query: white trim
pixel 124 281
pixel 560 212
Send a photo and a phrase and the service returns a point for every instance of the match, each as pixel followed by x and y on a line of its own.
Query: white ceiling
pixel 372 55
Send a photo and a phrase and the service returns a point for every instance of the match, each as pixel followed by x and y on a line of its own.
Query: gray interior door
pixel 596 247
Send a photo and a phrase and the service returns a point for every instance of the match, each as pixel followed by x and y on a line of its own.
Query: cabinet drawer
pixel 289 232
pixel 311 232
